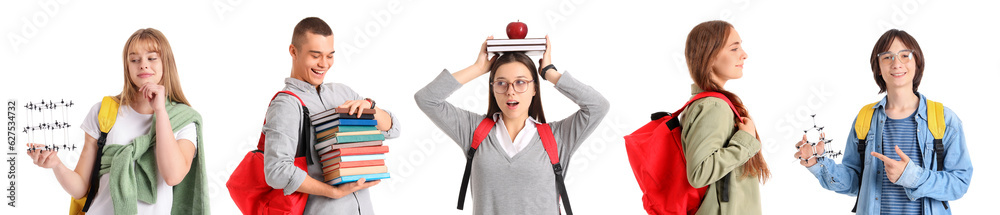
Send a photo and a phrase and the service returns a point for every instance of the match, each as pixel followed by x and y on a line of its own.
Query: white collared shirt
pixel 512 147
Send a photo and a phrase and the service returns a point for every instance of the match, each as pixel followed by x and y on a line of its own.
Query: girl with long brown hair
pixel 511 172
pixel 720 149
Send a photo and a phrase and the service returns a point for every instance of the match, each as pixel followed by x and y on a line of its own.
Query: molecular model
pixel 47 119
pixel 816 131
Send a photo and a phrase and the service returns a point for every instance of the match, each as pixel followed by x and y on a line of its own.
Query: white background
pixel 804 58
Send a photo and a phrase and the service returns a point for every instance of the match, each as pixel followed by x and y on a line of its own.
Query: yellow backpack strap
pixel 105 119
pixel 109 111
pixel 935 123
pixel 935 119
pixel 864 121
pixel 861 126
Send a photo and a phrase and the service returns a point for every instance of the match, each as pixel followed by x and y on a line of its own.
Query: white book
pixel 508 42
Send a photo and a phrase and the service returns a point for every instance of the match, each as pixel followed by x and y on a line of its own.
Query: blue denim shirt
pixel 921 184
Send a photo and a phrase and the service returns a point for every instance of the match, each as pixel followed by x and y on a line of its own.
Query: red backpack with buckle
pixel 548 142
pixel 248 186
pixel 656 154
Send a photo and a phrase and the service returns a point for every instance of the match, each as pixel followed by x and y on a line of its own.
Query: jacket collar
pixel 921 109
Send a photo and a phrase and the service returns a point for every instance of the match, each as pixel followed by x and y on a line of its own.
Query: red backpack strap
pixel 710 94
pixel 549 142
pixel 724 185
pixel 260 142
pixel 482 131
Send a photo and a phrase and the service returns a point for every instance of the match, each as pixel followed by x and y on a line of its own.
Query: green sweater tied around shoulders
pixel 130 183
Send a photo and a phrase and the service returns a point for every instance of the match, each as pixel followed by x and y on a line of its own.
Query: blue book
pixel 353 178
pixel 338 122
pixel 349 139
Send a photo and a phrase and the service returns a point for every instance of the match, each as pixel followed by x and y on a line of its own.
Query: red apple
pixel 517 30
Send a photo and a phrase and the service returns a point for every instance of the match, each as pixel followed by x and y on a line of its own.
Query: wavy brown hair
pixel 704 43
pixel 535 108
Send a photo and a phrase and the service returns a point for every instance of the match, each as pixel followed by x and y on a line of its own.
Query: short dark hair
pixel 882 45
pixel 312 25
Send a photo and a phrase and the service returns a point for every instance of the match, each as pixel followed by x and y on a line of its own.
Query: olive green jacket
pixel 708 125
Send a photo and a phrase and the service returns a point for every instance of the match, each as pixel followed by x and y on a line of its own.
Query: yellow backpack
pixel 935 123
pixel 106 119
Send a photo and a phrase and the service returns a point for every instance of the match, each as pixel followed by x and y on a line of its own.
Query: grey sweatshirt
pixel 525 183
pixel 281 129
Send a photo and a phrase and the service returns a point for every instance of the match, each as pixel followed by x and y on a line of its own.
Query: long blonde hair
pixel 152 39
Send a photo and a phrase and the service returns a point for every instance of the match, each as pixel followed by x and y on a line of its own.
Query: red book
pixel 360 150
pixel 352 164
pixel 367 150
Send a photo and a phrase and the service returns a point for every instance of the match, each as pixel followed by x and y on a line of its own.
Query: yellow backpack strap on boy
pixel 935 124
pixel 861 126
pixel 105 120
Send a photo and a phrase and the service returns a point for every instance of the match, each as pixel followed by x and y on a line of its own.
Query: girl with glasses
pixel 511 172
pixel 899 164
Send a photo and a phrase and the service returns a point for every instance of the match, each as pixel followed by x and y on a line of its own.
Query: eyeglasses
pixel 520 85
pixel 904 56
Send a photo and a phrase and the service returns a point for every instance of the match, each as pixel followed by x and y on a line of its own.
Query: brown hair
pixel 882 45
pixel 152 40
pixel 704 43
pixel 535 108
pixel 312 25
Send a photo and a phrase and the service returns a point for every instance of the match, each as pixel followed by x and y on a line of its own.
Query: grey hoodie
pixel 281 129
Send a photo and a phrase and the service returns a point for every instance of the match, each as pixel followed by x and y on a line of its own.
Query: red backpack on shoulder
pixel 248 186
pixel 656 154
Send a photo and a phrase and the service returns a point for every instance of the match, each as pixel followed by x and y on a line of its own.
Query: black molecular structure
pixel 46 118
pixel 822 139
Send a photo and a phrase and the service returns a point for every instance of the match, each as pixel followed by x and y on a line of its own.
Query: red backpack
pixel 248 186
pixel 656 154
pixel 548 142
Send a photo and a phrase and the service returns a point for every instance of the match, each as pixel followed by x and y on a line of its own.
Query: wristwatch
pixel 371 101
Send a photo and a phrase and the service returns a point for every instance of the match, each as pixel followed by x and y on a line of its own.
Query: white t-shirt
pixel 129 125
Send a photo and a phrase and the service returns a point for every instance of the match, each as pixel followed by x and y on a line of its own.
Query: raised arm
pixel 455 122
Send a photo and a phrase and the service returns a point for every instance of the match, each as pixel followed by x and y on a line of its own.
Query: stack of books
pixel 350 147
pixel 531 46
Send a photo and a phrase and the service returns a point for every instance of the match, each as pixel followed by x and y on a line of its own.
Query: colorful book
pixel 352 164
pixel 353 178
pixel 337 173
pixel 367 150
pixel 346 128
pixel 344 134
pixel 329 112
pixel 339 159
pixel 316 121
pixel 339 122
pixel 328 148
pixel 360 151
pixel 350 139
